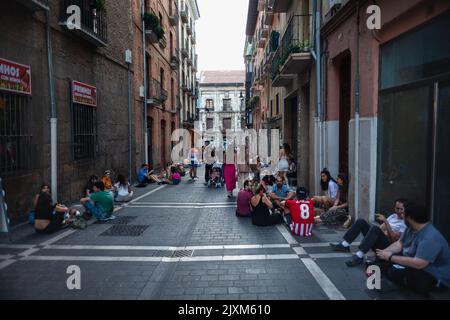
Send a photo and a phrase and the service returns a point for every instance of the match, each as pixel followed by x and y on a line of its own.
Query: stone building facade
pixel 91 95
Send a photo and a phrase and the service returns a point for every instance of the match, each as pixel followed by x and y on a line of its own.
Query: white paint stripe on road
pixel 286 234
pixel 324 282
pixel 5 256
pixel 162 259
pixel 184 203
pixel 6 263
pixel 330 255
pixel 165 248
pixel 29 252
pixel 58 237
pixel 16 246
pixel 323 244
pixel 144 195
pixel 180 207
pixel 300 251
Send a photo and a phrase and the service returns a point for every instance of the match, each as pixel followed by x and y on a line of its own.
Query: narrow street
pixel 179 242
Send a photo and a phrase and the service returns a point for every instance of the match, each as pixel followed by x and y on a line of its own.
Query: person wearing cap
pixel 299 213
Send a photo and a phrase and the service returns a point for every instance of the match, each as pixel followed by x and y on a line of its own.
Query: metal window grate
pixel 182 253
pixel 16 140
pixel 84 132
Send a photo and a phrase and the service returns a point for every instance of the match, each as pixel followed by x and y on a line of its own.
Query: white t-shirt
pixel 122 190
pixel 333 189
pixel 397 224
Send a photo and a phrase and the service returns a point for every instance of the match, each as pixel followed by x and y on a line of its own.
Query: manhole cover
pixel 182 253
pixel 122 230
pixel 118 220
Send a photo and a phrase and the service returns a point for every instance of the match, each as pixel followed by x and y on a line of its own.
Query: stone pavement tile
pixel 220 283
pixel 248 296
pixel 227 297
pixel 216 290
pixel 236 290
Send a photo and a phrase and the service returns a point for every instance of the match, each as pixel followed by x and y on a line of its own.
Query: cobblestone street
pixel 180 242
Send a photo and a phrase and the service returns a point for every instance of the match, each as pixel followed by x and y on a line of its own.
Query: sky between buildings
pixel 221 34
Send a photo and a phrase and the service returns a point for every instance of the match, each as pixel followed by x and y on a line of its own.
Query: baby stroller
pixel 216 179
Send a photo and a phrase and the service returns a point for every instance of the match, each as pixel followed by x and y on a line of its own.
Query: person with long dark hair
pixel 89 188
pixel 49 217
pixel 329 187
pixel 261 206
pixel 338 213
pixel 122 189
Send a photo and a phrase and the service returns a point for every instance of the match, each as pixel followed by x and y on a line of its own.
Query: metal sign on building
pixel 83 93
pixel 15 77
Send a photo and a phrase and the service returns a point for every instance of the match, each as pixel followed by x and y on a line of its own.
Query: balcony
pixel 189 28
pixel 35 5
pixel 193 39
pixel 261 5
pixel 173 13
pixel 184 12
pixel 189 61
pixel 184 86
pixel 268 17
pixel 93 22
pixel 280 5
pixel 175 60
pixel 293 55
pixel 155 93
pixel 185 50
pixel 195 64
pixel 189 119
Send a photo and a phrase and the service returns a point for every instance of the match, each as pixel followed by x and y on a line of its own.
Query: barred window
pixel 84 131
pixel 16 140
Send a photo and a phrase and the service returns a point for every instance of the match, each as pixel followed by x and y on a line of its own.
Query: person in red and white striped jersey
pixel 301 211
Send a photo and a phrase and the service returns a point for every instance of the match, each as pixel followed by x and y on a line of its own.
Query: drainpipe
pixel 144 56
pixel 53 119
pixel 357 111
pixel 317 119
pixel 130 133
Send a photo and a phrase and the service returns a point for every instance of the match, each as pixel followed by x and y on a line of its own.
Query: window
pixel 84 132
pixel 271 108
pixel 226 123
pixel 209 123
pixel 15 136
pixel 210 104
pixel 161 77
pixel 278 103
pixel 226 104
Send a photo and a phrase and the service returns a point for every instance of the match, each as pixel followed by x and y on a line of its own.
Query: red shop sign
pixel 15 77
pixel 84 94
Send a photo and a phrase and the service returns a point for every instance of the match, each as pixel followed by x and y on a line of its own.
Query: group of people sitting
pixel 171 174
pixel 409 249
pixel 98 200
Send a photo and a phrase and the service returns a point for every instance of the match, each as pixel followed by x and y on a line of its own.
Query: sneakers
pixel 339 247
pixel 354 261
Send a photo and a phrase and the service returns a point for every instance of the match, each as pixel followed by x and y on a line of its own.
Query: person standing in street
pixel 230 174
pixel 193 156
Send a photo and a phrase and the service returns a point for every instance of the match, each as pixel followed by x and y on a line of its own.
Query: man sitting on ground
pixel 100 203
pixel 421 258
pixel 375 237
pixel 299 213
pixel 280 192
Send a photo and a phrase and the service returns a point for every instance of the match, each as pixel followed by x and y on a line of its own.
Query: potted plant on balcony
pixel 98 5
pixel 306 45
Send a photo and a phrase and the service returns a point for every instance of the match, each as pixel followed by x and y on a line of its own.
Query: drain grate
pixel 163 253
pixel 118 220
pixel 182 253
pixel 123 230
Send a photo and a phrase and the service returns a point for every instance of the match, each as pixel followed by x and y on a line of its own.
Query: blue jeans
pixel 96 211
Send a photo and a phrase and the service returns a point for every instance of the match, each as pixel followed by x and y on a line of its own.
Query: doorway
pixel 163 143
pixel 150 139
pixel 344 111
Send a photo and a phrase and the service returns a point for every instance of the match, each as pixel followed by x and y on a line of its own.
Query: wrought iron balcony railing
pixel 295 40
pixel 93 26
pixel 35 5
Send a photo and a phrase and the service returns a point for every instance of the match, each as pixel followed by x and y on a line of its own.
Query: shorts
pixel 176 182
pixel 194 164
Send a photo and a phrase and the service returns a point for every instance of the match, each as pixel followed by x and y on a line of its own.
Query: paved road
pixel 179 242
